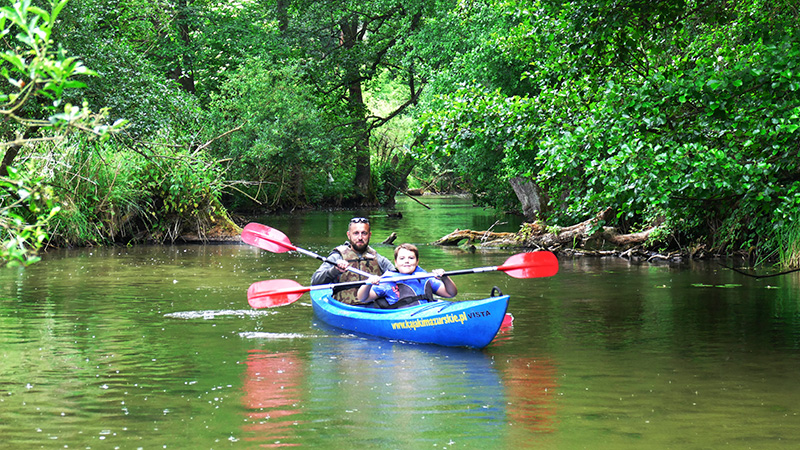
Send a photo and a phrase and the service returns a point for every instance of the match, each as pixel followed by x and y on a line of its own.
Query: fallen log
pixel 472 237
pixel 590 235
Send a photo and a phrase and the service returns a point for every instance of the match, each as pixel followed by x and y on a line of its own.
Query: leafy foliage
pixel 36 76
pixel 681 111
pixel 26 207
pixel 281 147
pixel 118 40
pixel 684 114
pixel 182 194
pixel 348 48
pixel 477 132
pixel 111 195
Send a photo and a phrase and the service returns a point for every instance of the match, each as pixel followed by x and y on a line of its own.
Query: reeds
pixel 789 245
pixel 109 193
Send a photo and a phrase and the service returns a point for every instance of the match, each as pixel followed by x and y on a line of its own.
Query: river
pixel 154 347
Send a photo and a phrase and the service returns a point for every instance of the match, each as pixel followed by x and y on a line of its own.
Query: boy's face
pixel 406 261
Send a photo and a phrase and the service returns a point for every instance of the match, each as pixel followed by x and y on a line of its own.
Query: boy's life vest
pixel 407 297
pixel 393 295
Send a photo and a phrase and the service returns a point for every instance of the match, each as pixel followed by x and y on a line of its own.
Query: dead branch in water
pixel 587 237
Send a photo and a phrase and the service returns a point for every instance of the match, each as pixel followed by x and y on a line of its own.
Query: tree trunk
pixel 397 180
pixel 471 236
pixel 183 73
pixel 13 150
pixel 532 197
pixel 351 35
pixel 283 15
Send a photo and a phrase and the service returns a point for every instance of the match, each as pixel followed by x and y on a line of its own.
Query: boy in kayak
pixel 389 294
pixel 355 253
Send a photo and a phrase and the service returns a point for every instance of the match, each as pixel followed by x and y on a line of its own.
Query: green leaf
pixel 40 12
pixel 15 60
pixel 57 9
pixel 73 84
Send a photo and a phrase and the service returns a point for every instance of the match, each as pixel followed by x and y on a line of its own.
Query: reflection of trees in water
pixel 272 394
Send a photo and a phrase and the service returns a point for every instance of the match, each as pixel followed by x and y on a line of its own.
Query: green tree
pixel 281 152
pixel 678 111
pixel 346 47
pixel 35 77
pixel 476 108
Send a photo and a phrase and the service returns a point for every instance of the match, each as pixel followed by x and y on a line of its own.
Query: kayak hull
pixel 471 323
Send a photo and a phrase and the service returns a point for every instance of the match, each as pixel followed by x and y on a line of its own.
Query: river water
pixel 156 347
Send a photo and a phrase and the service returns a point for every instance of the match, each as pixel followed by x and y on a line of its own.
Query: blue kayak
pixel 470 323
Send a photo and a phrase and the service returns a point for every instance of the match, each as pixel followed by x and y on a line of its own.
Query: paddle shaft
pixel 417 276
pixel 281 292
pixel 323 259
pixel 347 285
pixel 263 232
pixel 352 284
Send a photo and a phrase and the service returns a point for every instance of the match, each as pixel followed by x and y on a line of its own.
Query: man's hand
pixel 342 265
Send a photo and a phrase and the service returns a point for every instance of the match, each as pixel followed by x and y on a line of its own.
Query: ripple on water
pixel 265 335
pixel 209 314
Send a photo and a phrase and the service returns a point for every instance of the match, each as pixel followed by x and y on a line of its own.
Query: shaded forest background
pixel 133 121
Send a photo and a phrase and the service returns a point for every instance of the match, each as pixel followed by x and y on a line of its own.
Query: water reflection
pixel 272 393
pixel 350 391
pixel 156 347
pixel 531 388
pixel 384 392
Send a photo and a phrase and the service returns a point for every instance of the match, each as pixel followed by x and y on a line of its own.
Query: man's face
pixel 358 234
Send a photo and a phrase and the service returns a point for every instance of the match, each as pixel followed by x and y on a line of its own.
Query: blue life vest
pixel 393 295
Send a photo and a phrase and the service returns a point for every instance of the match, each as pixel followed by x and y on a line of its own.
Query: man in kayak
pixel 389 294
pixel 355 253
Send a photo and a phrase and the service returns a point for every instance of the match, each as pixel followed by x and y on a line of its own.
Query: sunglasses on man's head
pixel 359 220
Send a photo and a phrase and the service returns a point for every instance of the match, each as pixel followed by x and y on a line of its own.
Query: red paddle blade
pixel 267 238
pixel 272 293
pixel 531 265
